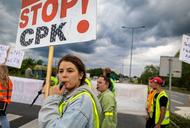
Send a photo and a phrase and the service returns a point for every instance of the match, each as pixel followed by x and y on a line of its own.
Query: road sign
pixel 175 66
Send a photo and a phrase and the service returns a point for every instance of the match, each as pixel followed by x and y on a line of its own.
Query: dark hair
pixel 106 79
pixel 77 62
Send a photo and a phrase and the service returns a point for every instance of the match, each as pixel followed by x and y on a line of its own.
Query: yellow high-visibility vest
pixel 157 111
pixel 72 99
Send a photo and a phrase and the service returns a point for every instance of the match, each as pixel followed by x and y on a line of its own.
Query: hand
pixel 55 90
pixel 157 126
pixel 147 117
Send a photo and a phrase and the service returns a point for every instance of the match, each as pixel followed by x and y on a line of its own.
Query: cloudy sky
pixel 165 22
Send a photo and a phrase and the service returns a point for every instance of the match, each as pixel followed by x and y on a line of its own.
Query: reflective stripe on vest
pixel 157 113
pixel 108 113
pixel 95 112
pixel 88 82
pixel 6 92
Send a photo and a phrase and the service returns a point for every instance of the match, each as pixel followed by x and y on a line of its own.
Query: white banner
pixel 53 22
pixel 25 90
pixel 185 49
pixel 131 98
pixel 11 57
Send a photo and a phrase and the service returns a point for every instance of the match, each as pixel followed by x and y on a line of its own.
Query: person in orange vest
pixel 150 96
pixel 159 110
pixel 6 87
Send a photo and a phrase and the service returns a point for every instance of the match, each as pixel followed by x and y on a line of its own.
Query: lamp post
pixel 132 30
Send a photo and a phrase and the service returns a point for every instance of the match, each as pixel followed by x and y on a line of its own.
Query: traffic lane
pixel 183 99
pixel 131 121
pixel 180 98
pixel 29 114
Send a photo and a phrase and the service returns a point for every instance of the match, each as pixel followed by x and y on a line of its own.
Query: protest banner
pixel 11 57
pixel 53 22
pixel 3 53
pixel 185 49
pixel 15 58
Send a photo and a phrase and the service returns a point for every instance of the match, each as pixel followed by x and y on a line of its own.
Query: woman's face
pixel 101 84
pixel 69 74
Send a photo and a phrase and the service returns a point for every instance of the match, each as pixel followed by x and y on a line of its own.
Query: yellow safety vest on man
pixel 73 98
pixel 157 111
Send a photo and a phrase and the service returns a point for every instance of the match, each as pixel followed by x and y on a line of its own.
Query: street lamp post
pixel 132 30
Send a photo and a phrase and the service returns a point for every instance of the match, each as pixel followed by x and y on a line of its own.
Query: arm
pixel 162 115
pixel 108 106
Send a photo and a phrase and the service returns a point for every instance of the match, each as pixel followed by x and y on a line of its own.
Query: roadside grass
pixel 180 122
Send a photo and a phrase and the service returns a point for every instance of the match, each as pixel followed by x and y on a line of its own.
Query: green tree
pixel 28 62
pixel 149 71
pixel 95 72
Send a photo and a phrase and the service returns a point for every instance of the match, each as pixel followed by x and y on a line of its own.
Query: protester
pixel 6 87
pixel 108 103
pixel 107 72
pixel 74 105
pixel 28 72
pixel 150 95
pixel 159 111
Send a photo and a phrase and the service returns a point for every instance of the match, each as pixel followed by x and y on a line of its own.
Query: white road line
pixel 12 116
pixel 31 124
pixel 178 102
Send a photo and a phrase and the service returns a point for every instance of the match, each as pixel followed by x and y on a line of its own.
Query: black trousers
pixel 3 112
pixel 150 124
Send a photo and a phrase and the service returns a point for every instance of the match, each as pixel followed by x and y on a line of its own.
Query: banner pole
pixel 49 70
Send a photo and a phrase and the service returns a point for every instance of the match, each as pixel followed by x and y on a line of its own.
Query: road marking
pixel 31 124
pixel 12 116
pixel 178 102
pixel 183 111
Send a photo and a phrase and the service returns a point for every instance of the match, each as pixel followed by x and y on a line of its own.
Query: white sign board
pixel 185 49
pixel 11 57
pixel 3 53
pixel 176 66
pixel 15 58
pixel 53 22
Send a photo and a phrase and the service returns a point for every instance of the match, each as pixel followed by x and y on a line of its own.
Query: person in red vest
pixel 5 95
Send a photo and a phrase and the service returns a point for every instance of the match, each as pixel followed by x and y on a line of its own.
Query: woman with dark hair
pixel 5 95
pixel 107 73
pixel 73 105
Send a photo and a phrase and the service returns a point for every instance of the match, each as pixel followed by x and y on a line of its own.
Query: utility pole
pixel 131 54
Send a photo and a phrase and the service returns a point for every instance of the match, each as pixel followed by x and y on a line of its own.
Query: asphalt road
pixel 179 100
pixel 27 117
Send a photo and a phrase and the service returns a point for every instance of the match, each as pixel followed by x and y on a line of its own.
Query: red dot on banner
pixel 83 26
